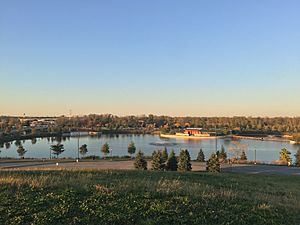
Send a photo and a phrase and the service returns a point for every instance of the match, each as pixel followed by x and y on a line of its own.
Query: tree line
pixel 166 124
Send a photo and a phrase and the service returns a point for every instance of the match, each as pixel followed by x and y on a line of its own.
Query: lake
pixel 266 151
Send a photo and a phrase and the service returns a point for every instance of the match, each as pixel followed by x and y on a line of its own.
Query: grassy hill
pixel 138 197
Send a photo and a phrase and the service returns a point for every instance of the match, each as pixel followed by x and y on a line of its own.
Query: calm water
pixel 265 150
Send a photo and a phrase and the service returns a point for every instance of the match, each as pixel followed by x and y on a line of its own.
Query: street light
pixel 78 145
pixel 254 155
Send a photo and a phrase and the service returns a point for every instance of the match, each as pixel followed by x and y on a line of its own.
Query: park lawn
pixel 146 197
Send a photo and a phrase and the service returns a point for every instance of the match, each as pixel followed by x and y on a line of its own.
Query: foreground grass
pixel 138 197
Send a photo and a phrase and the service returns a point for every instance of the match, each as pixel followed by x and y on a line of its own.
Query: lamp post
pixel 216 139
pixel 255 155
pixel 78 145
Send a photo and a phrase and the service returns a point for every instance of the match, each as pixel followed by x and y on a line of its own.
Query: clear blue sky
pixel 195 57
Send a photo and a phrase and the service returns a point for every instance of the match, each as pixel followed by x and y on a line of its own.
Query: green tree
pixel 83 149
pixel 21 151
pixel 157 161
pixel 243 156
pixel 171 164
pixel 57 149
pixel 222 155
pixel 184 161
pixel 297 156
pixel 105 149
pixel 140 163
pixel 213 164
pixel 164 155
pixel 285 155
pixel 131 148
pixel 201 157
pixel 18 143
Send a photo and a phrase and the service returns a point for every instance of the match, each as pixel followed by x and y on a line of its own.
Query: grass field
pixel 138 197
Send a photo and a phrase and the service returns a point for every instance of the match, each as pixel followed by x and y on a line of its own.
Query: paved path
pixel 128 165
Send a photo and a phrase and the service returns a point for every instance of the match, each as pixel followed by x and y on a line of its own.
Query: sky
pixel 164 57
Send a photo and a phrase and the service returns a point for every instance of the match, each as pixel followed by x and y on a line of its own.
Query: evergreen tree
pixel 201 157
pixel 223 155
pixel 57 149
pixel 83 149
pixel 171 164
pixel 157 161
pixel 21 151
pixel 285 155
pixel 105 149
pixel 131 148
pixel 218 153
pixel 297 156
pixel 243 156
pixel 164 154
pixel 184 161
pixel 213 164
pixel 140 163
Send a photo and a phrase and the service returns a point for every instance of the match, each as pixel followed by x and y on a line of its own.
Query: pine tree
pixel 140 163
pixel 171 164
pixel 285 155
pixel 105 149
pixel 201 157
pixel 57 149
pixel 131 148
pixel 213 164
pixel 157 161
pixel 243 156
pixel 21 151
pixel 222 155
pixel 164 155
pixel 184 161
pixel 297 156
pixel 83 149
